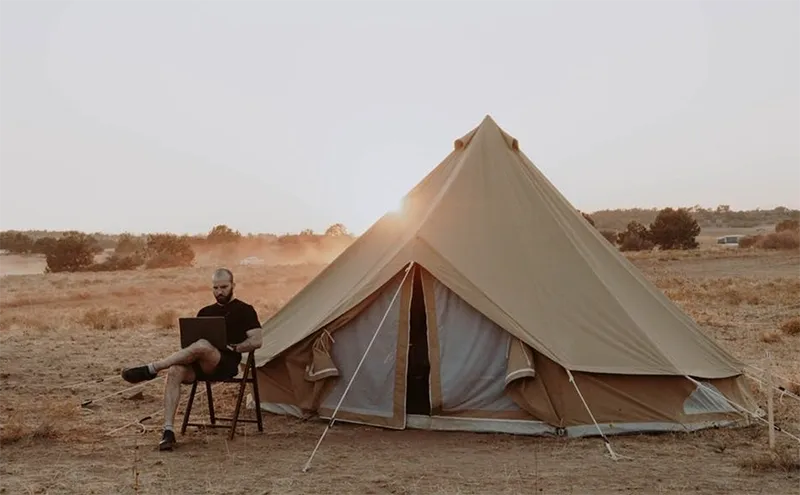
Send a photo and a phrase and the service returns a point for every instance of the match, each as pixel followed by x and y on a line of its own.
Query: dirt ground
pixel 60 334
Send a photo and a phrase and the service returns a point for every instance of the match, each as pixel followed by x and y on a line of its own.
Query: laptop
pixel 211 328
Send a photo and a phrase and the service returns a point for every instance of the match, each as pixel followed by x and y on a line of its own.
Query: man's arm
pixel 253 340
pixel 251 343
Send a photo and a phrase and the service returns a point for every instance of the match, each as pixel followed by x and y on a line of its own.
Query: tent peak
pixel 489 128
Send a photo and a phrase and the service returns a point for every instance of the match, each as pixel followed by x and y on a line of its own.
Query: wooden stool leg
pixel 188 408
pixel 242 386
pixel 210 404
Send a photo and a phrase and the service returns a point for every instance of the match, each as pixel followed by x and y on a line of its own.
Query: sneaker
pixel 137 374
pixel 167 440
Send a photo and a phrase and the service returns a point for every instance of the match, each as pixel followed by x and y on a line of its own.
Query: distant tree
pixel 167 251
pixel 610 235
pixel 307 232
pixel 128 245
pixel 675 229
pixel 16 242
pixel 337 230
pixel 222 234
pixel 789 224
pixel 94 244
pixel 44 245
pixel 723 208
pixel 635 238
pixel 71 253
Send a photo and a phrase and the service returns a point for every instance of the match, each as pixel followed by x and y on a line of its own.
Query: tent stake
pixel 341 399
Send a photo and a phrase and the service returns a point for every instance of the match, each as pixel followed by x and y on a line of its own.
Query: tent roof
pixel 491 227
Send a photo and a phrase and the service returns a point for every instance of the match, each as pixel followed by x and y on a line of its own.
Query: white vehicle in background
pixel 252 260
pixel 730 241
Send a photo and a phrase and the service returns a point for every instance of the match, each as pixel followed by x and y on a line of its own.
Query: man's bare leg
pixel 177 374
pixel 179 364
pixel 201 352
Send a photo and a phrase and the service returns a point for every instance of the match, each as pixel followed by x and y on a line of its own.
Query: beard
pixel 223 299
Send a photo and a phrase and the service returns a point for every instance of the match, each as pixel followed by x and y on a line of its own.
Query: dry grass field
pixel 61 334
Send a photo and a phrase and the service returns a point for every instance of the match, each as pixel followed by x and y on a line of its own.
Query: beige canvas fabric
pixel 479 373
pixel 488 225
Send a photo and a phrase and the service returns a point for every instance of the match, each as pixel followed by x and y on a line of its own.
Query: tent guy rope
pixel 347 388
pixel 779 388
pixel 741 408
pixel 138 385
pixel 776 375
pixel 153 415
pixel 613 454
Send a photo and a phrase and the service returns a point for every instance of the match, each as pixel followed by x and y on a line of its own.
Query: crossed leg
pixel 180 370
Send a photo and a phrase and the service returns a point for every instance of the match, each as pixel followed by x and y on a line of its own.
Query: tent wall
pixel 478 370
pixel 552 398
pixel 481 377
pixel 311 377
pixel 377 395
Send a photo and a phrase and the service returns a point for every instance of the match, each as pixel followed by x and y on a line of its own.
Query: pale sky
pixel 274 117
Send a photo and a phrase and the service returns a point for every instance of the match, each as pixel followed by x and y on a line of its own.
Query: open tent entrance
pixel 418 397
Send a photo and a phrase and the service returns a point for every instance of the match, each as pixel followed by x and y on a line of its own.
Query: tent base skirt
pixel 540 428
pixel 524 427
pixel 481 425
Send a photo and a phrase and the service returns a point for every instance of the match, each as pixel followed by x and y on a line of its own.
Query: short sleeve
pixel 251 317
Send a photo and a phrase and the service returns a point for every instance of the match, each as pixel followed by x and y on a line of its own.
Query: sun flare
pixel 396 207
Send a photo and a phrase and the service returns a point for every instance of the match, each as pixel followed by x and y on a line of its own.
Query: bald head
pixel 223 284
pixel 222 274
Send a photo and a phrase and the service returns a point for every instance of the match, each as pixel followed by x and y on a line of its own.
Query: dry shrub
pixel 749 241
pixel 791 327
pixel 781 460
pixel 166 319
pixel 754 299
pixel 51 423
pixel 107 319
pixel 635 243
pixel 771 337
pixel 16 430
pixel 25 321
pixel 786 239
pixel 788 224
pixel 733 296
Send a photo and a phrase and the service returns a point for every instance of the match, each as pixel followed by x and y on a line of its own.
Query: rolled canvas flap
pixel 520 361
pixel 321 365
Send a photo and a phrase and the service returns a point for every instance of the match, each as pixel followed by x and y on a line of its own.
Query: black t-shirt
pixel 239 318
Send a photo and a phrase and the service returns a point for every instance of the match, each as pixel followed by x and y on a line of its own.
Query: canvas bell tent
pixel 500 309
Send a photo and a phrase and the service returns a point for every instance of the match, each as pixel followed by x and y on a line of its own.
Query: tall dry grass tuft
pixel 781 460
pixel 771 337
pixel 24 321
pixel 56 421
pixel 108 319
pixel 167 319
pixel 791 327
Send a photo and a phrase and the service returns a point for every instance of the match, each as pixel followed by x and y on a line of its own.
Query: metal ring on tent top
pixel 561 431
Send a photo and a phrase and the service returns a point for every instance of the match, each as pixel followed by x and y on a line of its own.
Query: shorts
pixel 228 367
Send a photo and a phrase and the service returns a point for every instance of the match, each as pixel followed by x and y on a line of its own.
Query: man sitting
pixel 201 360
